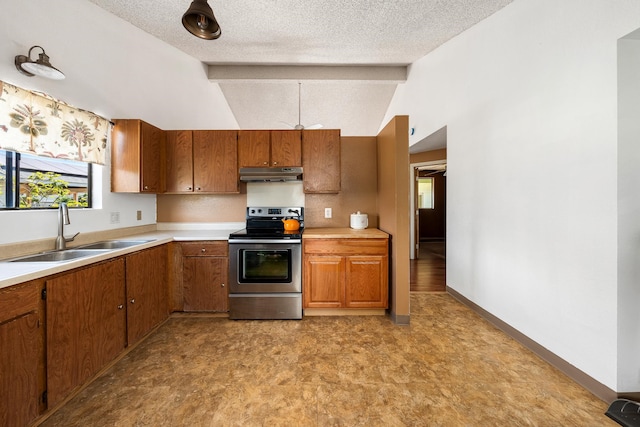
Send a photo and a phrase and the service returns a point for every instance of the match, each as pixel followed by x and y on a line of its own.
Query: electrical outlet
pixel 115 217
pixel 139 215
pixel 327 212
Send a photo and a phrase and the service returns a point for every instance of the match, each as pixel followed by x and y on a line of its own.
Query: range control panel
pixel 275 212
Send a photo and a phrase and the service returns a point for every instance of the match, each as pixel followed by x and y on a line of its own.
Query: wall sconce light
pixel 40 67
pixel 200 22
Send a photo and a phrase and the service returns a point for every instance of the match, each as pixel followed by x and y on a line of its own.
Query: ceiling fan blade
pixel 299 126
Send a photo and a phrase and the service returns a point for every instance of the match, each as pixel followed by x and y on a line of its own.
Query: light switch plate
pixel 327 212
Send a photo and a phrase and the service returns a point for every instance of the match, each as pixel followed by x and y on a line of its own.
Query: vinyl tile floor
pixel 448 368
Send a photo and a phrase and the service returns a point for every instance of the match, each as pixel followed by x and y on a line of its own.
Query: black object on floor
pixel 624 412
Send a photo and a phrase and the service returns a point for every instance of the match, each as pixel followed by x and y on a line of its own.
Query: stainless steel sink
pixel 114 244
pixel 60 256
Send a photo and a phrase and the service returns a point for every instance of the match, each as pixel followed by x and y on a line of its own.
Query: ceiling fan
pixel 299 126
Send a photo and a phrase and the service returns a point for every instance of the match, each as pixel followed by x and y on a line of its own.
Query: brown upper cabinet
pixel 269 148
pixel 202 161
pixel 145 159
pixel 179 166
pixel 137 157
pixel 321 160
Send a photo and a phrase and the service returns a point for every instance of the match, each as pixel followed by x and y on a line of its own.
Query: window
pixel 34 182
pixel 425 193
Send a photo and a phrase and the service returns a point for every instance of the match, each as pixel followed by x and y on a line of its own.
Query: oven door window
pixel 265 266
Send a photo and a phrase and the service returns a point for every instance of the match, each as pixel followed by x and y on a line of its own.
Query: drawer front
pixel 220 248
pixel 19 299
pixel 346 246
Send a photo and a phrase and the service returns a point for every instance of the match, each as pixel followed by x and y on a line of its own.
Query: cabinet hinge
pixel 44 397
pixel 43 294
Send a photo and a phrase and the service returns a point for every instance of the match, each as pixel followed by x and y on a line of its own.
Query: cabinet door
pixel 215 161
pixel 86 325
pixel 137 157
pixel 22 357
pixel 152 143
pixel 125 156
pixel 323 281
pixel 179 164
pixel 366 282
pixel 19 358
pixel 286 148
pixel 205 283
pixel 254 148
pixel 321 160
pixel 146 282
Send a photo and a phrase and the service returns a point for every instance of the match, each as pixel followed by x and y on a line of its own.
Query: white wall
pixel 629 214
pixel 529 98
pixel 115 70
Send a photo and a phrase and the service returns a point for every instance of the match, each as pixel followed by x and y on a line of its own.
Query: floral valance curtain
pixel 35 123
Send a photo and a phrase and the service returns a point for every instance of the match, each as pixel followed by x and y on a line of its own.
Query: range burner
pixel 266 223
pixel 265 233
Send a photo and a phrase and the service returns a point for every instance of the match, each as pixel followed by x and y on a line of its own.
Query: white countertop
pixel 13 273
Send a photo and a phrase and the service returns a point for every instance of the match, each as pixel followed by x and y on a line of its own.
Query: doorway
pixel 428 265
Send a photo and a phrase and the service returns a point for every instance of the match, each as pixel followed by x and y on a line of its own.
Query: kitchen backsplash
pixel 275 194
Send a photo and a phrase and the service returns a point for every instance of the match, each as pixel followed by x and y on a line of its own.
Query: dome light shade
pixel 200 21
pixel 40 67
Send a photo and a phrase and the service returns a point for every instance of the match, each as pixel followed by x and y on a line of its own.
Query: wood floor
pixel 428 271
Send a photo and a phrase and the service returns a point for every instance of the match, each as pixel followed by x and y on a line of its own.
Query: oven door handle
pixel 277 241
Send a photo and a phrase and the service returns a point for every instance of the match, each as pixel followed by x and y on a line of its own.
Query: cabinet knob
pixel 189 188
pixel 133 300
pixel 198 188
pixel 203 250
pixel 120 307
pixel 222 285
pixel 146 187
pixel 275 163
pixel 265 163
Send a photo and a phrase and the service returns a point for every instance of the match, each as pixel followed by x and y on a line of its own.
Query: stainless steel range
pixel 265 265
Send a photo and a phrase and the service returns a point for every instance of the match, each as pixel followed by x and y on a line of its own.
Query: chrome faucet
pixel 63 219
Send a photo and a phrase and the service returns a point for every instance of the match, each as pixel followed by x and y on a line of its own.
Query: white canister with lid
pixel 359 220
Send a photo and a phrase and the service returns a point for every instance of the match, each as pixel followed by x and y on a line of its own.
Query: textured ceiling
pixel 310 32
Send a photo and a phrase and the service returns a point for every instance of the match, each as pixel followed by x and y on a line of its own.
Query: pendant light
pixel 200 21
pixel 40 67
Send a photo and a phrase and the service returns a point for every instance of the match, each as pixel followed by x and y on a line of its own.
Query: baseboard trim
pixel 400 319
pixel 595 387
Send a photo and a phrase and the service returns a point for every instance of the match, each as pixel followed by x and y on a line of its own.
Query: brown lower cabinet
pixel 93 313
pixel 86 325
pixel 22 381
pixel 345 273
pixel 205 270
pixel 146 283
